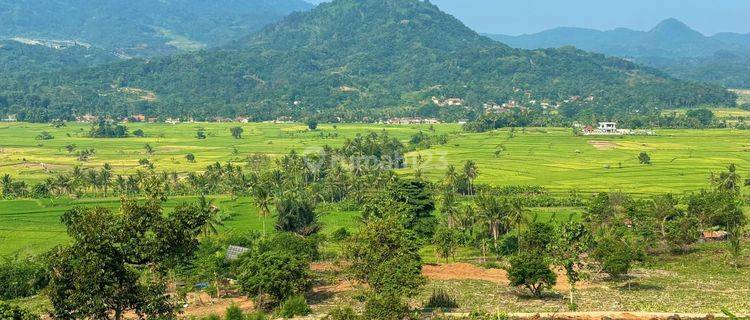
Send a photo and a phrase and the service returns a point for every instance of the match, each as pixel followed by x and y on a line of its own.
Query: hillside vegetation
pixel 353 59
pixel 142 27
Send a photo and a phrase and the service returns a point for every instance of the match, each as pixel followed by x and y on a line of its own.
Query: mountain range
pixel 351 59
pixel 141 28
pixel 672 46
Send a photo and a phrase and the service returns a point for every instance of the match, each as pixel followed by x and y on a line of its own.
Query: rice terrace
pixel 374 160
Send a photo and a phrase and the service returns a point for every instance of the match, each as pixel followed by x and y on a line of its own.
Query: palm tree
pixel 727 181
pixel 448 207
pixel 451 178
pixel 213 221
pixel 262 194
pixel 493 212
pixel 471 172
pixel 516 215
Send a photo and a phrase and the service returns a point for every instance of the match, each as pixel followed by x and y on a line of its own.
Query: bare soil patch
pixel 466 271
pixel 602 145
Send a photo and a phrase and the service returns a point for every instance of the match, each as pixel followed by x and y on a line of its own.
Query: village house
pixel 172 120
pixel 10 118
pixel 450 102
pixel 610 128
pixel 242 119
pixel 87 118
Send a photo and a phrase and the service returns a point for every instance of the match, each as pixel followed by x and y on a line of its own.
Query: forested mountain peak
pixel 344 21
pixel 674 27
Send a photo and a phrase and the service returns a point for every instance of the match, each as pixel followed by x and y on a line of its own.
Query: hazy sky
pixel 529 16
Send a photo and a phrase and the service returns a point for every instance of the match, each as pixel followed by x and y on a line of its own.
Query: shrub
pixel 15 313
pixel 139 133
pixel 21 278
pixel 190 157
pixel 644 158
pixel 279 274
pixel 302 247
pixel 537 237
pixel 531 271
pixel 294 306
pixel 682 231
pixel 234 313
pixel 212 317
pixel 508 245
pixel 615 256
pixel 256 316
pixel 440 299
pixel 45 136
pixel 385 307
pixel 342 313
pixel 340 234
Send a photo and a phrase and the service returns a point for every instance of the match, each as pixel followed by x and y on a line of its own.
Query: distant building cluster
pixel 450 102
pixel 415 120
pixel 610 128
pixel 10 118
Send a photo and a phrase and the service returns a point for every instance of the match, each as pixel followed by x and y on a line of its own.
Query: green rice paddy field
pixel 553 158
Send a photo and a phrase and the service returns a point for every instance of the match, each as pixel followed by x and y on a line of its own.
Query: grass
pixel 30 227
pixel 553 158
pixel 681 159
pixel 24 157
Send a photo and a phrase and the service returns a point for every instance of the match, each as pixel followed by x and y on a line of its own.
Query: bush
pixel 45 136
pixel 615 256
pixel 15 313
pixel 386 307
pixel 139 133
pixel 21 278
pixel 508 245
pixel 682 232
pixel 644 158
pixel 340 234
pixel 278 274
pixel 342 313
pixel 531 271
pixel 234 313
pixel 256 316
pixel 294 306
pixel 440 299
pixel 537 237
pixel 302 247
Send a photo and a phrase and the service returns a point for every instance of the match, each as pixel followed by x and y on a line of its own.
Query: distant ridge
pixel 671 46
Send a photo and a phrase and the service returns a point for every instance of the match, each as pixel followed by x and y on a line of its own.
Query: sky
pixel 514 17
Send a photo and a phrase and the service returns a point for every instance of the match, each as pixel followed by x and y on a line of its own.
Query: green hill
pixel 142 27
pixel 33 56
pixel 350 59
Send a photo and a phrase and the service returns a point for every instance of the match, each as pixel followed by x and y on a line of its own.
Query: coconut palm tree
pixel 471 172
pixel 262 195
pixel 493 213
pixel 214 221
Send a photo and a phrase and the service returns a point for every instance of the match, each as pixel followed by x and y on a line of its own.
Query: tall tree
pixel 117 262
